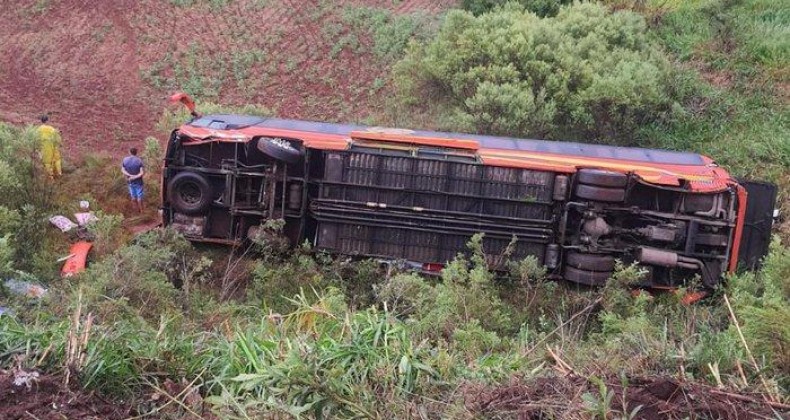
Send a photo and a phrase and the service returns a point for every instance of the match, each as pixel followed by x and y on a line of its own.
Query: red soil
pixel 103 69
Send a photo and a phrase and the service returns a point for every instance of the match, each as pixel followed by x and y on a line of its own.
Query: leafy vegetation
pixel 413 343
pixel 28 200
pixel 539 7
pixel 391 33
pixel 585 73
pixel 305 334
pixel 705 76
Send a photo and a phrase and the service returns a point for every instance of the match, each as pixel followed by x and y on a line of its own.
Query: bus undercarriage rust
pixel 419 196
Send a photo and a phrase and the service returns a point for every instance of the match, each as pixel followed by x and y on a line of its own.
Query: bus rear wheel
pixel 600 185
pixel 601 178
pixel 189 193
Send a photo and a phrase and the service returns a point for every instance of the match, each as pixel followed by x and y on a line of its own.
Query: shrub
pixel 139 279
pixel 28 200
pixel 391 32
pixel 466 298
pixel 527 270
pixel 539 7
pixel 276 282
pixel 152 152
pixel 106 232
pixel 584 72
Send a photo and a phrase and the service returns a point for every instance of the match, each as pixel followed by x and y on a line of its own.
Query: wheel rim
pixel 190 194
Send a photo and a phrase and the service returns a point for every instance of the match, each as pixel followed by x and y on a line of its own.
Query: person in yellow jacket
pixel 49 138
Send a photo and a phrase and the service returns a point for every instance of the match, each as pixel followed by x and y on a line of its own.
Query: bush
pixel 277 282
pixel 139 279
pixel 28 200
pixel 106 232
pixel 539 7
pixel 585 72
pixel 391 32
pixel 465 299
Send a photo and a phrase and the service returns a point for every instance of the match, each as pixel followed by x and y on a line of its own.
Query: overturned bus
pixel 418 196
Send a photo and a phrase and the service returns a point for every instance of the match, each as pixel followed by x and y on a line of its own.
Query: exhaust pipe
pixel 658 257
pixel 670 259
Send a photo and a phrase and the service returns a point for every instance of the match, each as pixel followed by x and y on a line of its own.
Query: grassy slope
pixel 741 52
pixel 332 354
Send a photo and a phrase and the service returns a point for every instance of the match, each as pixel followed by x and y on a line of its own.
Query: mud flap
pixel 756 235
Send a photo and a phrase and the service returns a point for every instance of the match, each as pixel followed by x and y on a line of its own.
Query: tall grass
pixel 324 358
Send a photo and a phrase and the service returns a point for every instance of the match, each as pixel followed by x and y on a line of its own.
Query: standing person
pixel 132 168
pixel 49 141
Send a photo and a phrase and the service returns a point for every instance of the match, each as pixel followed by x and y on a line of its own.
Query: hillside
pixel 158 327
pixel 103 71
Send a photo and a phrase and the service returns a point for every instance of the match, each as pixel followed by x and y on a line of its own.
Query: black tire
pixel 590 262
pixel 189 193
pixel 280 149
pixel 601 178
pixel 589 278
pixel 609 195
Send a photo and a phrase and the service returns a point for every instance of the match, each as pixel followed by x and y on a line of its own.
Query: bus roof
pixel 241 122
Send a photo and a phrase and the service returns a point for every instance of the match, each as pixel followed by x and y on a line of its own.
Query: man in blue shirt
pixel 132 168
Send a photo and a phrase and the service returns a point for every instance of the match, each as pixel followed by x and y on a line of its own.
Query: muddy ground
pixel 574 397
pixel 569 397
pixel 46 398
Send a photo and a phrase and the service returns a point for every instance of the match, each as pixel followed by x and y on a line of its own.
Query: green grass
pixel 215 5
pixel 313 336
pixel 763 28
pixel 413 341
pixel 390 32
pixel 734 55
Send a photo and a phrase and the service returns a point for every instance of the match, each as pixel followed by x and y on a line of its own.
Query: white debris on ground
pixel 84 218
pixel 23 377
pixel 63 223
pixel 25 288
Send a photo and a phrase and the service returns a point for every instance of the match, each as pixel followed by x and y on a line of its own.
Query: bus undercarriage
pixel 421 204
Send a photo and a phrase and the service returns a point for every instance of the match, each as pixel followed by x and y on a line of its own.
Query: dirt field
pixel 103 70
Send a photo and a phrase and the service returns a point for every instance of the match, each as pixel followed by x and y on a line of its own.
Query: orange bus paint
pixel 736 245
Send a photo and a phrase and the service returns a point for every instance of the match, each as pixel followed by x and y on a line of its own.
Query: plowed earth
pixel 103 69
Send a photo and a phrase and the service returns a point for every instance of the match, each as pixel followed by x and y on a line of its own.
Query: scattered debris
pixel 78 257
pixel 25 288
pixel 63 223
pixel 23 377
pixel 83 219
pixel 61 259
